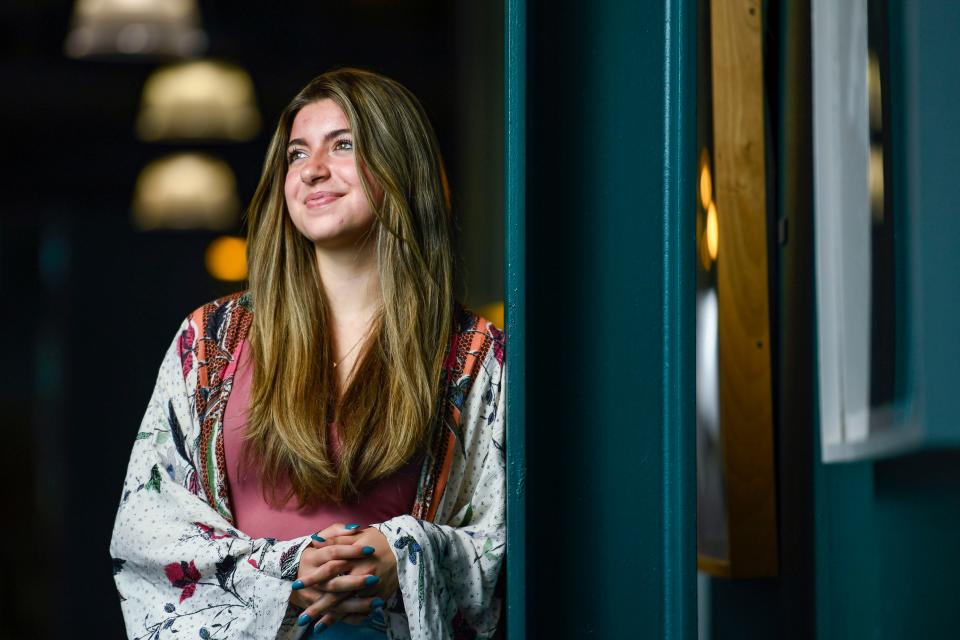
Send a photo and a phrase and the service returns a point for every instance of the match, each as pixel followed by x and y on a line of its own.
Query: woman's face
pixel 323 191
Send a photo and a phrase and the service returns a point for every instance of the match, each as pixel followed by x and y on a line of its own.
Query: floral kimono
pixel 184 570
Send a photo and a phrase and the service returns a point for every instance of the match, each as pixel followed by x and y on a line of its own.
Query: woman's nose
pixel 314 169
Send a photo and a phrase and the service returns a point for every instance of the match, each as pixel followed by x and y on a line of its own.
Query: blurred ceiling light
pixel 135 28
pixel 200 99
pixel 706 183
pixel 186 191
pixel 226 258
pixel 713 231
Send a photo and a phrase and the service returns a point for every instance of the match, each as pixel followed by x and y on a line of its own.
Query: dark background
pixel 90 303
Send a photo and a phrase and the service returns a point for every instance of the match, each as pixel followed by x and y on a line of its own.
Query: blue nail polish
pixel 367 551
pixel 377 603
pixel 351 527
pixel 303 620
pixel 369 580
pixel 297 584
pixel 318 538
pixel 320 628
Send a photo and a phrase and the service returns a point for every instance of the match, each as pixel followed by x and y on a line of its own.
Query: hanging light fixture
pixel 186 191
pixel 202 99
pixel 135 28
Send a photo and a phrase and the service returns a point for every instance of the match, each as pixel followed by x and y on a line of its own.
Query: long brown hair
pixel 384 414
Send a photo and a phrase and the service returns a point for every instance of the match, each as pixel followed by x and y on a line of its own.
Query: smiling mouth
pixel 322 198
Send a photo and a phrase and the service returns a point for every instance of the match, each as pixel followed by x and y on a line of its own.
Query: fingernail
pixel 320 628
pixel 303 620
pixel 369 580
pixel 351 527
pixel 318 538
pixel 376 603
pixel 368 551
pixel 297 584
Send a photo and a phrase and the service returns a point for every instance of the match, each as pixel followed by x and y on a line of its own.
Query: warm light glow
pixel 876 182
pixel 706 181
pixel 493 312
pixel 135 9
pixel 186 191
pixel 201 99
pixel 135 27
pixel 713 232
pixel 226 258
pixel 874 92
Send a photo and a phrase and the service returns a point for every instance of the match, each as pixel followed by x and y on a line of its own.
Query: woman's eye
pixel 343 144
pixel 296 154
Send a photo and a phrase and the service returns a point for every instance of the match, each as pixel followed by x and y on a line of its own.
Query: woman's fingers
pixel 321 574
pixel 335 591
pixel 321 607
pixel 349 610
pixel 358 605
pixel 303 598
pixel 330 554
pixel 325 622
pixel 349 584
pixel 333 531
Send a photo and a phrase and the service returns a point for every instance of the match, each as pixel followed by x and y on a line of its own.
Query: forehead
pixel 318 118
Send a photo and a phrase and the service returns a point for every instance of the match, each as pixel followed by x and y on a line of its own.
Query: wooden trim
pixel 746 392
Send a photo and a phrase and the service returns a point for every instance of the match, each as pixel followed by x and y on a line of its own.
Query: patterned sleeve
pixel 448 570
pixel 181 569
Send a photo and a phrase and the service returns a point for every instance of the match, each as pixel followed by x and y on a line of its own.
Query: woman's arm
pixel 448 570
pixel 181 569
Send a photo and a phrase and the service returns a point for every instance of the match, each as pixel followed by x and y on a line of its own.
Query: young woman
pixel 324 453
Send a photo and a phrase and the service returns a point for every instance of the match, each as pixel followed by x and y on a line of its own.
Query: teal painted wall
pixel 887 554
pixel 606 111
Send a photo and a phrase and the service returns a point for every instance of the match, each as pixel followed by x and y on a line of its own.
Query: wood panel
pixel 746 410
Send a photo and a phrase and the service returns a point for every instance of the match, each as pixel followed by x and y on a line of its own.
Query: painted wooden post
pixel 601 161
pixel 515 60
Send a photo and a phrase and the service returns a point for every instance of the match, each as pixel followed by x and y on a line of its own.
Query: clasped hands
pixel 345 573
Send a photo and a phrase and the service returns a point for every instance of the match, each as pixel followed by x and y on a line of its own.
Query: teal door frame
pixel 600 165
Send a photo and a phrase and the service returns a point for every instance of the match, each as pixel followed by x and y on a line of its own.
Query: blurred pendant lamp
pixel 135 28
pixel 198 100
pixel 186 191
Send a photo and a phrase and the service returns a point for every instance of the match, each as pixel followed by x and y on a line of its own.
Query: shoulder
pixel 239 303
pixel 466 320
pixel 477 345
pixel 219 325
pixel 212 318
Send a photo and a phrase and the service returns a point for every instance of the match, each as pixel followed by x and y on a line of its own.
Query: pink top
pixel 385 499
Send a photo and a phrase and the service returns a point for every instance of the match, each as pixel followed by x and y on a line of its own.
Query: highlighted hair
pixel 388 407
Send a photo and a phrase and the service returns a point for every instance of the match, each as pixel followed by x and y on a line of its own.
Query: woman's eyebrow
pixel 332 134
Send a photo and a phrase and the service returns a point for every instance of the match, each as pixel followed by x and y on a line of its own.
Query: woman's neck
pixel 351 284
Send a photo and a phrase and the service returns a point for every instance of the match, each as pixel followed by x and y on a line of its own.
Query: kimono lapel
pixel 469 344
pixel 223 324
